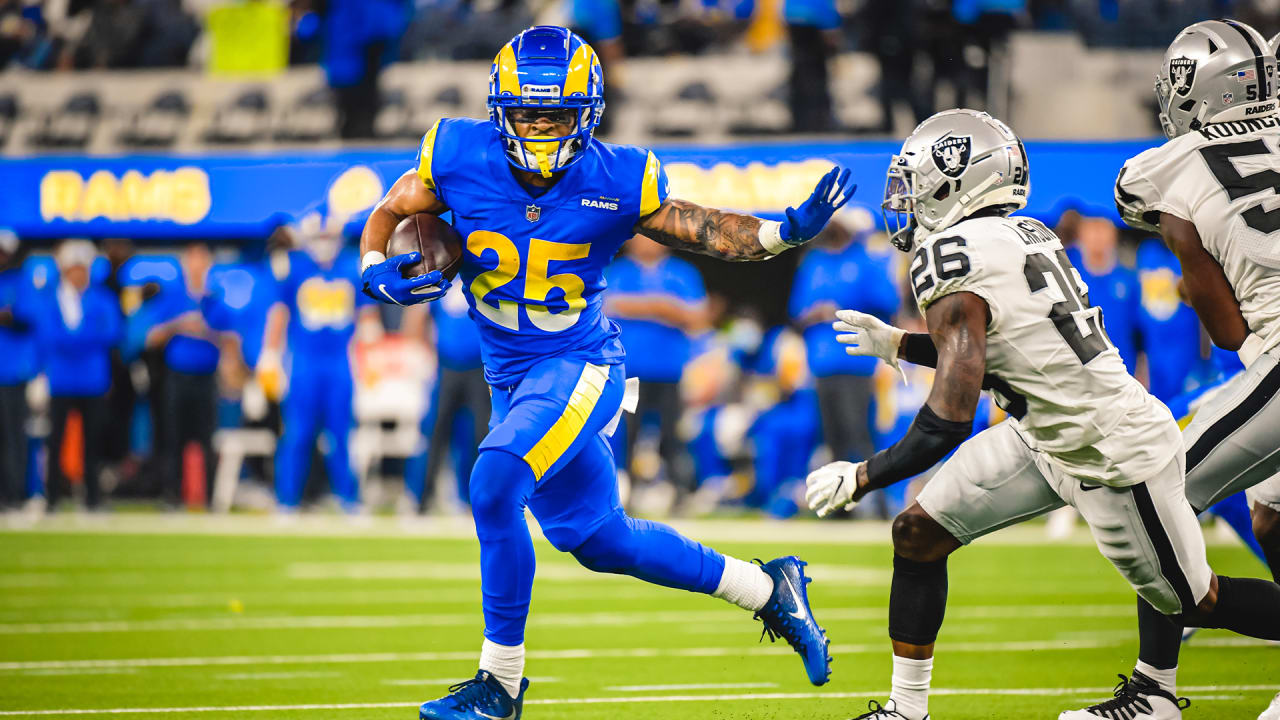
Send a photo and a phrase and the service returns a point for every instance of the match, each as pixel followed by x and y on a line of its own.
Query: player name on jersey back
pixel 1062 379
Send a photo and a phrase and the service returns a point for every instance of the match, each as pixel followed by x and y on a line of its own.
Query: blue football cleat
pixel 480 698
pixel 788 615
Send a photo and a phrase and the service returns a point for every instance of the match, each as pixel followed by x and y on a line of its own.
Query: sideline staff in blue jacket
pixel 77 332
pixel 18 349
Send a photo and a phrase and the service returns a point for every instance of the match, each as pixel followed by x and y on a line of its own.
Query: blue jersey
pixel 322 303
pixel 656 352
pixel 1117 293
pixel 533 263
pixel 18 295
pixel 1170 328
pixel 240 296
pixel 457 342
pixel 849 277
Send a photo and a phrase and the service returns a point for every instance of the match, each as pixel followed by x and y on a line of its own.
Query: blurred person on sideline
pixel 786 433
pixel 658 302
pixel 361 38
pixel 837 272
pixel 1111 286
pixel 306 356
pixel 599 22
pixel 812 26
pixel 18 315
pixel 457 418
pixel 892 32
pixel 192 352
pixel 77 333
pixel 1170 331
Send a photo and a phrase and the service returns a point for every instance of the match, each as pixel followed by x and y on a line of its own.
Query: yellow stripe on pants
pixel 582 401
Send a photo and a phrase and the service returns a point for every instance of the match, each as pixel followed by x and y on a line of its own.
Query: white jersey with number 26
pixel 1224 179
pixel 1060 378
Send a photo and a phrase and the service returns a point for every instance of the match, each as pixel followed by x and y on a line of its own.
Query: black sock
pixel 1249 606
pixel 917 600
pixel 1159 637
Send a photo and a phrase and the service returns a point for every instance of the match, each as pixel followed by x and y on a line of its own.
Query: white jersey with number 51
pixel 1223 179
pixel 1060 378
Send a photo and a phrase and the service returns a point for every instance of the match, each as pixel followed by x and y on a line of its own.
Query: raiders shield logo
pixel 951 154
pixel 532 213
pixel 1182 71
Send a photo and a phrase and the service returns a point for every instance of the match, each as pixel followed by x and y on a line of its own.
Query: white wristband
pixel 771 237
pixel 373 257
pixel 1250 349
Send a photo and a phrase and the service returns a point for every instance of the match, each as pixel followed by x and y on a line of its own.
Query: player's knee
pixel 497 485
pixel 916 536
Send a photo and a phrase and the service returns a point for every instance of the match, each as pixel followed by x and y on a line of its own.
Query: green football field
pixel 137 616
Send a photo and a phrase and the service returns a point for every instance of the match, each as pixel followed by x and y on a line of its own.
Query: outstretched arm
pixel 958 325
pixel 683 225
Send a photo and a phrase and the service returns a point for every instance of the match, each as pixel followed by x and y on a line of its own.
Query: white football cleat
pixel 1136 698
pixel 1273 710
pixel 888 711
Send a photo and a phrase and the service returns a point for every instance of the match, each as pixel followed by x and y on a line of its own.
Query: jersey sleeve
pixel 948 264
pixel 1139 196
pixel 654 186
pixel 426 156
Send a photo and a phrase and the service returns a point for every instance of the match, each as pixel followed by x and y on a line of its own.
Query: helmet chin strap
pixel 958 209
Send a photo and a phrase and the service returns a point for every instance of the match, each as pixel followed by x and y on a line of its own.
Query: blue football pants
pixel 546 451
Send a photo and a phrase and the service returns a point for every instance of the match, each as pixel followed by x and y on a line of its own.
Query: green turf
pixel 390 621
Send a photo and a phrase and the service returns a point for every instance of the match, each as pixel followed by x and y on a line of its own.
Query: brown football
pixel 439 243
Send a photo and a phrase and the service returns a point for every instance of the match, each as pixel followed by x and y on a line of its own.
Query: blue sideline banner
pixel 225 196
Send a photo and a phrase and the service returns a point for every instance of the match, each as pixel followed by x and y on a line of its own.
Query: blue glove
pixel 383 282
pixel 804 223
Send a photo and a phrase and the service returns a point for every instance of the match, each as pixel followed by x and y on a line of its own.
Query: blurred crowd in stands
pixel 258 376
pixel 919 44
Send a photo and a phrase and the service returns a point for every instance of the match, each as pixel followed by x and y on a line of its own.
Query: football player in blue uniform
pixel 543 208
pixel 307 348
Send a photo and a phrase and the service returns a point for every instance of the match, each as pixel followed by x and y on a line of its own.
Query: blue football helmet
pixel 546 67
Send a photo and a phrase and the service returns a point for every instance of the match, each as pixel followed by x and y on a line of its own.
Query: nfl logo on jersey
pixel 532 213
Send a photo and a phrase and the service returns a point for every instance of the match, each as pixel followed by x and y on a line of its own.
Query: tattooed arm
pixel 683 225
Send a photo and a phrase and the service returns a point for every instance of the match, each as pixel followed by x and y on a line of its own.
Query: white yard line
pixel 690 686
pixel 542 619
pixel 1045 692
pixel 277 675
pixel 461 527
pixel 579 654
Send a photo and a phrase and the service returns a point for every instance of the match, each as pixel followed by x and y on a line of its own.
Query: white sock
pixel 505 663
pixel 1167 679
pixel 744 584
pixel 910 693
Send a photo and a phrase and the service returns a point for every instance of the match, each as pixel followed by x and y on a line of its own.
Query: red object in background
pixel 194 483
pixel 71 454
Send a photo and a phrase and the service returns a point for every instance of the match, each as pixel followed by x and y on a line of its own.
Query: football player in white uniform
pixel 1210 191
pixel 1007 311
